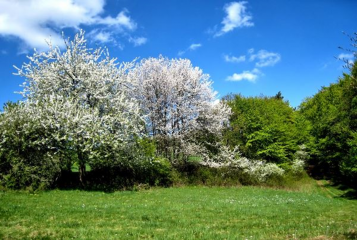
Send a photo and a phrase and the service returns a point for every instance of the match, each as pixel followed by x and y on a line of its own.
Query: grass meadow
pixel 316 211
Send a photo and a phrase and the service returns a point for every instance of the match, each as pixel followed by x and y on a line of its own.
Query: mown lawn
pixel 178 213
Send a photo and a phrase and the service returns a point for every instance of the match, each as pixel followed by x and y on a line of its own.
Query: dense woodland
pixel 88 121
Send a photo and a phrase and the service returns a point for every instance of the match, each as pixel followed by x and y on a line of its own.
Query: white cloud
pixel 192 47
pixel 234 59
pixel 33 21
pixel 101 36
pixel 261 59
pixel 250 50
pixel 104 37
pixel 237 17
pixel 122 20
pixel 264 58
pixel 346 57
pixel 250 76
pixel 138 41
pixel 180 53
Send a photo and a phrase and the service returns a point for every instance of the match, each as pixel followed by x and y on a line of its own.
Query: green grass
pixel 178 213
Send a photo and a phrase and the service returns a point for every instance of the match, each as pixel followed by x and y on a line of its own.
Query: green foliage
pixel 194 174
pixel 136 165
pixel 156 172
pixel 332 114
pixel 151 169
pixel 255 174
pixel 25 161
pixel 349 165
pixel 147 146
pixel 263 128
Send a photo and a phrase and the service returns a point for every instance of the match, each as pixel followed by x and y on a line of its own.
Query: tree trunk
pixel 82 172
pixel 81 166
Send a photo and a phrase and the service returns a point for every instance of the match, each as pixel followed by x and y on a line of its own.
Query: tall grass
pixel 178 213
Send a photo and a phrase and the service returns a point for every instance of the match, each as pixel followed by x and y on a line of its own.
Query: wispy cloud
pixel 234 59
pixel 101 36
pixel 104 37
pixel 180 53
pixel 33 21
pixel 264 58
pixel 237 17
pixel 138 41
pixel 122 20
pixel 346 57
pixel 250 76
pixel 192 47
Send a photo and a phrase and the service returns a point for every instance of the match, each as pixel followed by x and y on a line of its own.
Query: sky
pixel 253 47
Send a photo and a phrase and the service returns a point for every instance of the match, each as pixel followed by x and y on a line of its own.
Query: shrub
pixel 156 172
pixel 26 159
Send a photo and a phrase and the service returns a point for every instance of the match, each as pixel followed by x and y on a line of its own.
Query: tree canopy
pixel 178 101
pixel 332 116
pixel 263 127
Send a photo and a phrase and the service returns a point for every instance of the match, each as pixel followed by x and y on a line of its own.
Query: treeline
pixel 324 127
pixel 88 121
pixel 331 120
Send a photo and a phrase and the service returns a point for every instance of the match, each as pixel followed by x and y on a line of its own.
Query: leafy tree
pixel 328 134
pixel 332 114
pixel 263 127
pixel 279 96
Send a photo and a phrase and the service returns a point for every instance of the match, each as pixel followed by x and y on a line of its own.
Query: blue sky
pixel 250 47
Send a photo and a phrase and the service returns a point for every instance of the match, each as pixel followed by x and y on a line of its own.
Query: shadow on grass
pixel 109 181
pixel 351 235
pixel 70 181
pixel 345 191
pixel 336 189
pixel 352 195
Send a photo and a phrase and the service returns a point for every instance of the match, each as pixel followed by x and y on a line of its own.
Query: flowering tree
pixel 178 102
pixel 83 97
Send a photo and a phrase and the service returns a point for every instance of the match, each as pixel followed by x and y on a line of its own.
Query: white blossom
pixel 178 103
pixel 82 95
pixel 177 98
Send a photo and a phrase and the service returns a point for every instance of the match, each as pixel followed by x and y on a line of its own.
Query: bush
pixel 156 172
pixel 254 171
pixel 195 174
pixel 36 173
pixel 25 159
pixel 148 173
